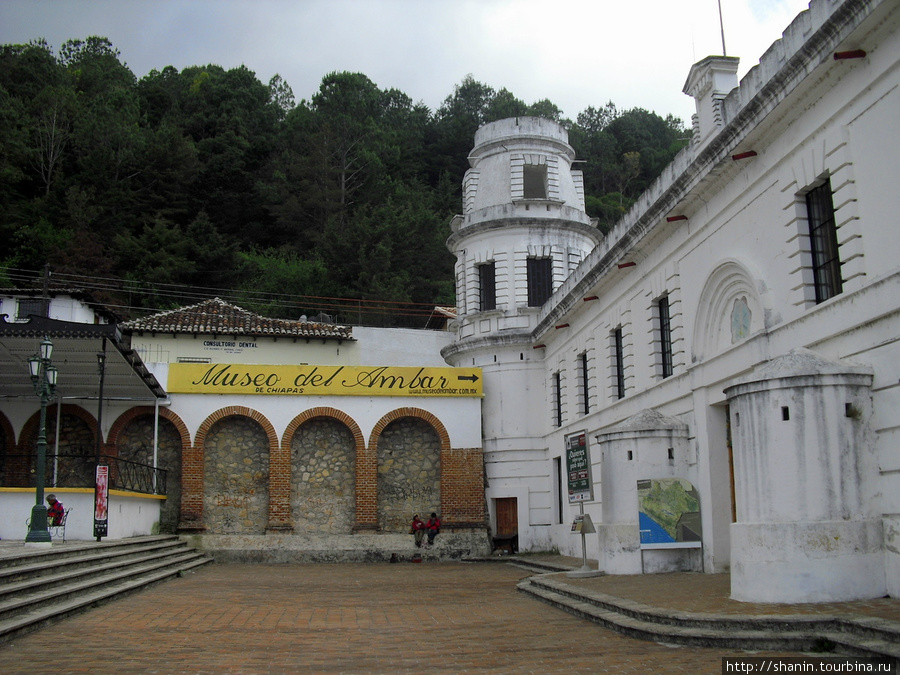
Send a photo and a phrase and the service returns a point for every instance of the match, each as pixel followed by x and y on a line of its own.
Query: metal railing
pixel 135 477
pixel 78 471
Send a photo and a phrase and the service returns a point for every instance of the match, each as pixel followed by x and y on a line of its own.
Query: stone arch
pixel 193 463
pixel 235 411
pixel 133 413
pixel 329 488
pixel 410 412
pixel 323 411
pixel 30 428
pixel 729 288
pixel 73 469
pixel 408 466
pixel 174 441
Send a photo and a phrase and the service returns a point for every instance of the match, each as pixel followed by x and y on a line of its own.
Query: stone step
pixel 41 586
pixel 65 578
pixel 849 636
pixel 53 593
pixel 868 627
pixel 34 566
pixel 59 552
pixel 39 616
pixel 525 563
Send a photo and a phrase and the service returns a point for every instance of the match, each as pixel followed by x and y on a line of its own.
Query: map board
pixel 669 513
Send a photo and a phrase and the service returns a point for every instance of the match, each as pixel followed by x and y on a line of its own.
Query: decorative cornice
pixel 660 199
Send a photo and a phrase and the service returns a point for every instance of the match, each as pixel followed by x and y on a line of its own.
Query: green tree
pixel 160 252
pixel 281 94
pixel 546 109
pixel 279 283
pixel 502 105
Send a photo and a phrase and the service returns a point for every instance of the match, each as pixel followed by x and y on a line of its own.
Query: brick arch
pixel 235 411
pixel 332 413
pixel 362 460
pixel 400 413
pixel 367 471
pixel 192 465
pixel 132 414
pixel 30 428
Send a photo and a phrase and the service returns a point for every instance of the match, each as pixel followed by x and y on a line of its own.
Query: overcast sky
pixel 577 53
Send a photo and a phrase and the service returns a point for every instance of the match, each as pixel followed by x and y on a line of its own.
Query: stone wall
pixel 236 472
pixel 135 444
pixel 409 473
pixel 323 467
pixel 77 451
pixel 232 475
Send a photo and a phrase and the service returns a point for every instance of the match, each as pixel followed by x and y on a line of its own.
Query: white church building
pixel 728 356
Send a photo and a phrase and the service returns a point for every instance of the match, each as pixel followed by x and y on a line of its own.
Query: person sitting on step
pixel 434 527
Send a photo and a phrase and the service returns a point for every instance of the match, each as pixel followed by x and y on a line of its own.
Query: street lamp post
pixel 43 377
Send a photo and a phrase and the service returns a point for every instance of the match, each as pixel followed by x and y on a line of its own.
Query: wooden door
pixel 507 516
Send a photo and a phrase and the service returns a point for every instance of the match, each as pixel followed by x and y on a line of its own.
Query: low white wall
pixel 129 515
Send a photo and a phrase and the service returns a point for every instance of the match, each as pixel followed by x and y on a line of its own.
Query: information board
pixel 578 468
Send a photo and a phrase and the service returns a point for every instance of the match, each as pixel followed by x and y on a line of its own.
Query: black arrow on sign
pixel 471 378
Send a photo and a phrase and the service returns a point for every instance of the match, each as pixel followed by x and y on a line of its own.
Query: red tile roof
pixel 217 317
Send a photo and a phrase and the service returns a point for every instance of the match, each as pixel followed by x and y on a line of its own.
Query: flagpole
pixel 722 29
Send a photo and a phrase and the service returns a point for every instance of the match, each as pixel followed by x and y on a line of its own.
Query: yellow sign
pixel 219 378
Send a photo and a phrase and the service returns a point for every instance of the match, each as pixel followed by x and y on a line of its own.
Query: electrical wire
pixel 189 294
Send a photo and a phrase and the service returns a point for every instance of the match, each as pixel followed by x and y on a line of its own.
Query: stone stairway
pixel 846 635
pixel 39 586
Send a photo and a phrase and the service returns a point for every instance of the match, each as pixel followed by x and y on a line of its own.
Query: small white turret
pixel 709 82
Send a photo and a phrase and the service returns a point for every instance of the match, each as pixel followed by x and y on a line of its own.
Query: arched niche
pixel 730 309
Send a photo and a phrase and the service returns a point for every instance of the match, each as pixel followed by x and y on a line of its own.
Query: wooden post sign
pixel 578 468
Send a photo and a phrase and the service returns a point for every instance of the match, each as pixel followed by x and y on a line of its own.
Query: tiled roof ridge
pixel 218 317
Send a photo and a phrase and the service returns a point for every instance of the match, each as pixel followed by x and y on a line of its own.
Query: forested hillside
pixel 159 190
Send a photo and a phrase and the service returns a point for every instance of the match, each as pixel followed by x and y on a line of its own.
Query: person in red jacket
pixel 434 527
pixel 55 511
pixel 417 528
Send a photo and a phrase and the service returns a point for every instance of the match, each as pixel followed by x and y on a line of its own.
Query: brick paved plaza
pixel 349 618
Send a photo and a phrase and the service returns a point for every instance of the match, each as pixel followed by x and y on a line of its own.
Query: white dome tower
pixel 522 233
pixel 523 225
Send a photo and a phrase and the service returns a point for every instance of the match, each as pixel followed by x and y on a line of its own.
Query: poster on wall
pixel 669 513
pixel 101 502
pixel 578 468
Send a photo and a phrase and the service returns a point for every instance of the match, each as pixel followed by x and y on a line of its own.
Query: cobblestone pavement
pixel 346 618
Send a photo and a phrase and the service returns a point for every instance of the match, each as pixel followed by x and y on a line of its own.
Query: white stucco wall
pixel 129 515
pixel 371 347
pixel 740 235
